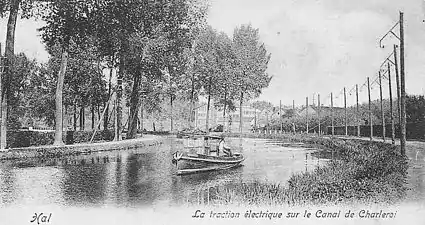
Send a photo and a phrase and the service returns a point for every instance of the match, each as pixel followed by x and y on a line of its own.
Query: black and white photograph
pixel 169 112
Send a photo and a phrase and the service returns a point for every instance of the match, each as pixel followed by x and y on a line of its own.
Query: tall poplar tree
pixel 252 59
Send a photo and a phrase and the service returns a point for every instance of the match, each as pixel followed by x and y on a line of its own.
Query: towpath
pixel 81 148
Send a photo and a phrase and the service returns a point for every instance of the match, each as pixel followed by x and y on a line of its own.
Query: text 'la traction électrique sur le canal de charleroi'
pixel 266 214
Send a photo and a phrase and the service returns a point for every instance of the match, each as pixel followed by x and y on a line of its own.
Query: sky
pixel 322 46
pixel 316 46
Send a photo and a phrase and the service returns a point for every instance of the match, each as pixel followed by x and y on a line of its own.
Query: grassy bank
pixel 365 173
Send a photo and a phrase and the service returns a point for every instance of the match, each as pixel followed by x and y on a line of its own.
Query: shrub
pixel 19 139
pixel 85 136
pixel 365 172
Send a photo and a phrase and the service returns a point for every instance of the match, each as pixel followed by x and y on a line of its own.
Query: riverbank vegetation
pixel 361 172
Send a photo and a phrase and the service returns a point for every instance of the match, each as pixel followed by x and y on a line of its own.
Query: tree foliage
pixel 163 52
pixel 252 59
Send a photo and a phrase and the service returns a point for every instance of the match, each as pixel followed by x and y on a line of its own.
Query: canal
pixel 141 177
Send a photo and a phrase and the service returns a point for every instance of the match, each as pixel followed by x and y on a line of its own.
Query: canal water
pixel 144 177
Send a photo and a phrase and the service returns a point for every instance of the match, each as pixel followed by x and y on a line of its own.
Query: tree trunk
pixel 65 118
pixel 106 116
pixel 115 119
pixel 82 118
pixel 120 77
pixel 98 116
pixel 75 116
pixel 92 117
pixel 240 114
pixel 134 108
pixel 224 109
pixel 255 120
pixel 192 102
pixel 208 107
pixel 171 117
pixel 58 101
pixel 267 122
pixel 141 119
pixel 4 81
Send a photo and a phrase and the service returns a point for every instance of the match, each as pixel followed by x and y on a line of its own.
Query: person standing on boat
pixel 222 147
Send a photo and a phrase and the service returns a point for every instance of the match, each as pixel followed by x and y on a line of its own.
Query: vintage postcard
pixel 174 112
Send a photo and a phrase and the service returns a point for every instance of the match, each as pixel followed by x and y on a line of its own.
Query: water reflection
pixel 31 186
pixel 143 177
pixel 7 184
pixel 84 183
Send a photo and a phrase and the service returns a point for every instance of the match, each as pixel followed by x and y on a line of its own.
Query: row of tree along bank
pixel 142 55
pixel 361 172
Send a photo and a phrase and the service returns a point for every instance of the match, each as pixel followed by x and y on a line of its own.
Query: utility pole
pixel 332 114
pixel 345 112
pixel 370 111
pixel 357 111
pixel 397 78
pixel 382 106
pixel 403 90
pixel 402 96
pixel 306 112
pixel 391 105
pixel 318 113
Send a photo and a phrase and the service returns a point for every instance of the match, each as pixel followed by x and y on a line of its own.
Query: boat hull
pixel 195 163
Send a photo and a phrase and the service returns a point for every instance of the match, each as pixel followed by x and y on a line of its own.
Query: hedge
pixel 19 139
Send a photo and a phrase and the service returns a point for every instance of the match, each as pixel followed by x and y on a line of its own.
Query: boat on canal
pixel 207 158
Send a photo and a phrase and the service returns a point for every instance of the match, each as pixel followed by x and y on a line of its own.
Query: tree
pixel 415 108
pixel 227 82
pixel 262 106
pixel 39 94
pixel 12 8
pixel 154 49
pixel 206 64
pixel 214 62
pixel 83 83
pixel 22 71
pixel 252 59
pixel 114 23
pixel 67 24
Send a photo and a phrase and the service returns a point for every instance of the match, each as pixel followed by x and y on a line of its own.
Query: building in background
pixel 231 122
pixel 201 115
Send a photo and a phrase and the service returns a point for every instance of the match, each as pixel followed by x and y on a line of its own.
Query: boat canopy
pixel 213 137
